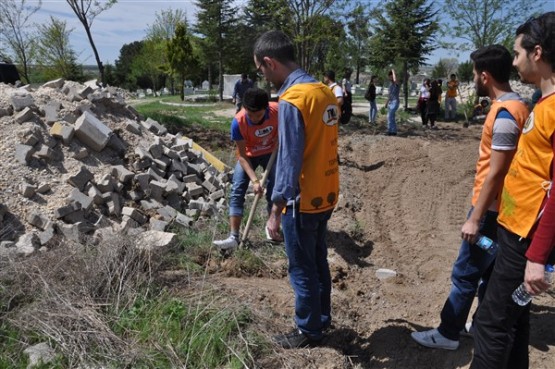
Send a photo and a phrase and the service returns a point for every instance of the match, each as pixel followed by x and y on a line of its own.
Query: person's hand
pixel 534 278
pixel 257 188
pixel 272 225
pixel 233 101
pixel 469 230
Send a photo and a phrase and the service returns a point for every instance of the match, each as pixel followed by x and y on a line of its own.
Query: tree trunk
pixel 406 83
pixel 221 77
pixel 96 56
pixel 182 95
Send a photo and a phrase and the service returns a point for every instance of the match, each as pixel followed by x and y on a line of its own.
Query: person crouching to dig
pixel 255 133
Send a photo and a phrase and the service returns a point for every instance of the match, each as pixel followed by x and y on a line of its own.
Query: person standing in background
pixel 392 103
pixel 239 89
pixel 370 95
pixel 451 99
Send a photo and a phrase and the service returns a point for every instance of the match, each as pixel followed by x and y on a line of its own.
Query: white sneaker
pixel 229 243
pixel 434 339
pixel 468 330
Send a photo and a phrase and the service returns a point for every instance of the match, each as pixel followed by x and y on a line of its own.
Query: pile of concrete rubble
pixel 79 162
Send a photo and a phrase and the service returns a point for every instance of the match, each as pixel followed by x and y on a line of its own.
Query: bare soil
pixel 403 202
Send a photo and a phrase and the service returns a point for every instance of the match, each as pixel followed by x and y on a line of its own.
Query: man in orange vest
pixel 492 69
pixel 254 131
pixel 307 183
pixel 526 231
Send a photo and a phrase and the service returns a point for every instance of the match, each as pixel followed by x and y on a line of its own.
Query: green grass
pixel 185 116
pixel 194 335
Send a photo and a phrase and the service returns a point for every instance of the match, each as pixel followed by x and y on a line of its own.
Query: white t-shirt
pixel 337 90
pixel 424 92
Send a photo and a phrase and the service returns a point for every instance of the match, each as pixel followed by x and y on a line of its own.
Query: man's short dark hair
pixel 330 74
pixel 540 31
pixel 244 76
pixel 494 59
pixel 276 45
pixel 255 99
pixel 453 75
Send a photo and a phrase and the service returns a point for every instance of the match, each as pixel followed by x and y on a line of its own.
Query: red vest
pixel 259 139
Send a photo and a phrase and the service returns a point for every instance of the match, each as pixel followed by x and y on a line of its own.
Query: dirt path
pixel 403 202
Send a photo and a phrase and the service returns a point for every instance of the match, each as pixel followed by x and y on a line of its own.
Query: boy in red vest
pixel 254 130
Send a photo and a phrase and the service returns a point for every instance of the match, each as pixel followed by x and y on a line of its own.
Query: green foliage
pixel 149 63
pixel 485 22
pixel 180 55
pixel 54 52
pixel 440 70
pixel 165 24
pixel 199 334
pixel 465 71
pixel 124 65
pixel 359 34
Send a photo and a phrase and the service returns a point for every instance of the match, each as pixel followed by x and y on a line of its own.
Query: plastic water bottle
pixel 521 295
pixel 486 244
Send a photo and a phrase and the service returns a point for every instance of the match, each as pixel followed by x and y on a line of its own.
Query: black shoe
pixel 391 133
pixel 295 339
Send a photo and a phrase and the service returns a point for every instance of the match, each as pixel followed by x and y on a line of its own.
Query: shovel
pixel 257 197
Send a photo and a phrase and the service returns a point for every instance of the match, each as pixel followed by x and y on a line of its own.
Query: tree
pixel 440 70
pixel 144 65
pixel 124 65
pixel 165 24
pixel 216 21
pixel 359 34
pixel 466 71
pixel 14 31
pixel 406 34
pixel 307 34
pixel 54 52
pixel 486 22
pixel 180 55
pixel 86 11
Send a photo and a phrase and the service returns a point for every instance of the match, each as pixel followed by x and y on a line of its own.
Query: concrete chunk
pixel 158 225
pixel 193 189
pixel 43 188
pixel 81 179
pixel 23 153
pixel 134 214
pixel 38 220
pixel 62 131
pixel 106 184
pixel 132 127
pixel 66 210
pixel 27 244
pixel 80 154
pixel 183 220
pixel 27 190
pixel 122 174
pixel 157 189
pixel 151 240
pixel 92 132
pixel 57 83
pixel 21 102
pixel 80 198
pixel 114 204
pixel 167 213
pixel 151 204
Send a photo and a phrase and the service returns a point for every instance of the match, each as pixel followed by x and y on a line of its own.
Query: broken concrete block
pixel 81 179
pixel 116 144
pixel 43 188
pixel 51 112
pixel 167 213
pixel 195 168
pixel 7 248
pixel 84 92
pixel 143 153
pixel 27 244
pixel 178 166
pixel 193 213
pixel 106 184
pixel 47 235
pixel 21 102
pixel 66 210
pixel 40 354
pixel 135 195
pixel 114 204
pixel 197 204
pixel 141 165
pixel 45 152
pixel 151 240
pixel 128 223
pixel 157 189
pixel 75 232
pixel 154 127
pixel 209 186
pixel 80 154
pixel 175 201
pixel 193 189
pixel 27 190
pixel 62 131
pixel 75 217
pixel 133 127
pixel 217 195
pixel 134 214
pixel 156 150
pixel 174 185
pixel 151 204
pixel 69 117
pixel 122 174
pixel 95 193
pixel 155 173
pixel 25 115
pixel 92 132
pixel 190 178
pixel 183 220
pixel 162 163
pixel 38 220
pixel 23 153
pixel 30 137
pixel 158 225
pixel 57 83
pixel 170 153
pixel 142 180
pixel 80 198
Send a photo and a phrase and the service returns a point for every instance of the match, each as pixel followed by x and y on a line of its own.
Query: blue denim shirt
pixel 291 144
pixel 240 88
pixel 394 91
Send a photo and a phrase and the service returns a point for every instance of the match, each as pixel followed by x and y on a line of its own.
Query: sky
pixel 128 20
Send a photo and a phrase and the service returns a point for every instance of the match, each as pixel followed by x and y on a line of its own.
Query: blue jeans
pixel 472 264
pixel 450 108
pixel 309 273
pixel 391 109
pixel 241 183
pixel 373 111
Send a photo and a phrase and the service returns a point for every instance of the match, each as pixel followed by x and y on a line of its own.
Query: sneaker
pixel 229 243
pixel 468 330
pixel 434 339
pixel 295 339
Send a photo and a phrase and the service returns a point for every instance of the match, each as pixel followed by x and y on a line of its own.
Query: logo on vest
pixel 331 115
pixel 529 125
pixel 264 131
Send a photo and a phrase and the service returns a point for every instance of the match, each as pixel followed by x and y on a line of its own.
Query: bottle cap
pixel 549 268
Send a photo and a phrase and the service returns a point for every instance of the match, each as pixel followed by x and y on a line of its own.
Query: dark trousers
pixel 502 327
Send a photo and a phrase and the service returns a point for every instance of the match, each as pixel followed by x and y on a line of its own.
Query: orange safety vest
pixel 259 139
pixel 519 110
pixel 529 176
pixel 319 178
